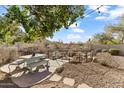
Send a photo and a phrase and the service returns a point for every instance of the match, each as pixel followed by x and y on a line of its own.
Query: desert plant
pixel 106 59
pixel 98 50
pixel 117 29
pixel 8 55
pixel 114 51
pixel 104 50
pixel 103 38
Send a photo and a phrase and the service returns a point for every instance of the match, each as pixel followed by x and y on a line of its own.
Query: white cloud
pixel 112 14
pixel 87 16
pixel 101 17
pixel 75 25
pixel 88 36
pixel 103 9
pixel 49 38
pixel 118 12
pixel 79 30
pixel 73 36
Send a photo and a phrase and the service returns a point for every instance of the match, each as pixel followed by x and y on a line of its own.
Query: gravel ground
pixel 51 84
pixel 92 74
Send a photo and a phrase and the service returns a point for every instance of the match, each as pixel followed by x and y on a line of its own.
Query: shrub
pixel 8 55
pixel 114 51
pixel 71 53
pixel 104 50
pixel 106 59
pixel 31 48
pixel 98 50
pixel 76 59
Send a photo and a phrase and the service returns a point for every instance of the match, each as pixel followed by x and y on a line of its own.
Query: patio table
pixel 30 62
pixel 36 55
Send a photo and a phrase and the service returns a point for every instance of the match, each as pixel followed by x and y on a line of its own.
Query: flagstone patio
pixel 29 79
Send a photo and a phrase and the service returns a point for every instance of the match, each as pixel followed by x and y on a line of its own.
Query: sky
pixel 90 25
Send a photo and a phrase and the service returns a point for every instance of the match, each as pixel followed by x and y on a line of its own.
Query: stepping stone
pixel 5 68
pixel 55 77
pixel 69 81
pixel 83 85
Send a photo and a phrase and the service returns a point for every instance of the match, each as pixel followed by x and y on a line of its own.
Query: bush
pixel 104 50
pixel 98 50
pixel 106 59
pixel 8 55
pixel 71 53
pixel 114 51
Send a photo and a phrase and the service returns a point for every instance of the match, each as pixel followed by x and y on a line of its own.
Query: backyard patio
pixel 25 79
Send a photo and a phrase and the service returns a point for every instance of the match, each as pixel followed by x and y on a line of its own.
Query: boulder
pixel 76 59
pixel 59 70
pixel 89 59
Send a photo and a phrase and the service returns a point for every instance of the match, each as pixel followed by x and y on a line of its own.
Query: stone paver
pixel 56 64
pixel 5 68
pixel 83 85
pixel 55 77
pixel 69 81
pixel 53 65
pixel 26 80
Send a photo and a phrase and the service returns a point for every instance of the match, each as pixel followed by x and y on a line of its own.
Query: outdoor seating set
pixel 29 62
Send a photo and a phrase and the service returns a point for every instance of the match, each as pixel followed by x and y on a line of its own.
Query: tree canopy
pixel 117 28
pixel 103 37
pixel 34 22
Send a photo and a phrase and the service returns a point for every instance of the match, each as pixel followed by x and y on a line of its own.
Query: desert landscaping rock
pixel 83 85
pixel 69 81
pixel 55 77
pixel 3 75
pixel 6 69
pixel 59 70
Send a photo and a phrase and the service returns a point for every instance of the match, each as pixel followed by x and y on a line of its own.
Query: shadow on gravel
pixel 28 80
